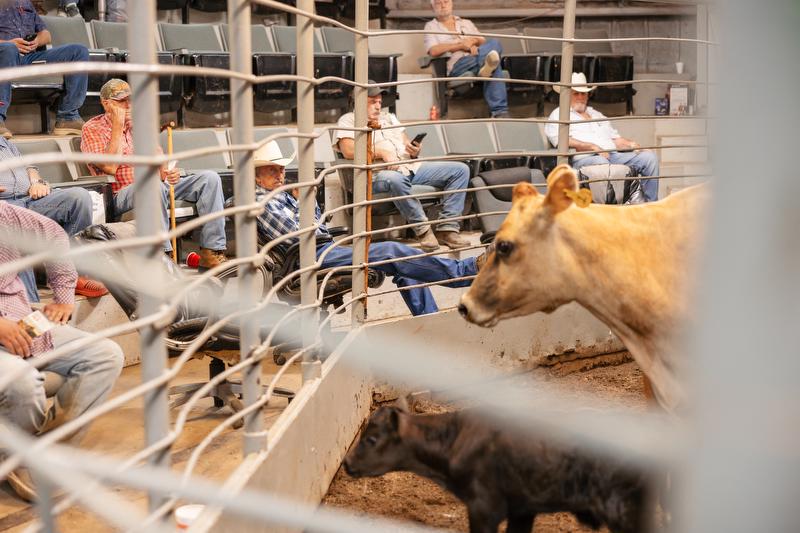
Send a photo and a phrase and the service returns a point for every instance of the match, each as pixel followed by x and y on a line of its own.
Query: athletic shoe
pixel 489 64
pixel 89 287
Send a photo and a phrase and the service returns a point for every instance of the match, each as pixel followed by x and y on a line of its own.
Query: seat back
pixel 468 138
pixel 519 136
pixel 110 34
pixel 209 6
pixel 285 38
pixel 338 39
pixel 258 37
pixel 200 37
pixel 68 30
pixel 432 144
pixel 198 138
pixel 511 44
pixel 592 48
pixel 53 172
pixel 75 146
pixel 547 47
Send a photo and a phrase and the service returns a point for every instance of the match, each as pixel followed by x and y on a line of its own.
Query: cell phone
pixel 418 138
pixel 30 37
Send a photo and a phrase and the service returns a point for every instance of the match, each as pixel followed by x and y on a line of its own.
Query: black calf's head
pixel 381 448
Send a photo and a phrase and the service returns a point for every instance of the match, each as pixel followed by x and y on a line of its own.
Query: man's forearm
pixel 114 147
pixel 581 146
pixel 44 37
pixel 439 49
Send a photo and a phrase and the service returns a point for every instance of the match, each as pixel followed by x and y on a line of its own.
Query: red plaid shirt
pixel 95 136
pixel 14 222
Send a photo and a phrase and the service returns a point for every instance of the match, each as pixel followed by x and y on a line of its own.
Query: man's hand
pixel 388 157
pixel 23 46
pixel 38 190
pixel 118 115
pixel 14 338
pixel 58 313
pixel 170 176
pixel 600 151
pixel 473 50
pixel 413 150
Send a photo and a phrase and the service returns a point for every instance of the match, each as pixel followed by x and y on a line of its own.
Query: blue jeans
pixel 71 208
pixel 203 189
pixel 645 163
pixel 74 84
pixel 443 176
pixel 494 92
pixel 404 273
pixel 89 372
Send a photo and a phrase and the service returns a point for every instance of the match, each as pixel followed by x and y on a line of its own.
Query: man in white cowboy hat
pixel 281 216
pixel 601 138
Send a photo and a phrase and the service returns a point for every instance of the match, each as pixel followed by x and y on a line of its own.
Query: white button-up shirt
pixel 431 39
pixel 600 133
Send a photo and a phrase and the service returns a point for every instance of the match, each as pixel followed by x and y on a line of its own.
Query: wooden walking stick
pixel 172 223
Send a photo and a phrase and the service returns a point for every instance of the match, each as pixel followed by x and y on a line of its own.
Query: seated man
pixel 392 145
pixel 89 372
pixel 602 138
pixel 467 53
pixel 111 133
pixel 282 215
pixel 71 208
pixel 22 31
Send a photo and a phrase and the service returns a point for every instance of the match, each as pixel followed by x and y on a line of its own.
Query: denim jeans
pixel 645 163
pixel 494 92
pixel 89 372
pixel 443 176
pixel 74 84
pixel 203 189
pixel 404 273
pixel 71 208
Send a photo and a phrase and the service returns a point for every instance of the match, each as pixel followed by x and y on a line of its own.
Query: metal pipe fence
pixel 159 302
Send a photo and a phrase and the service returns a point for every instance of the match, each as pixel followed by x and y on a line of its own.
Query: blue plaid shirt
pixel 281 215
pixel 19 19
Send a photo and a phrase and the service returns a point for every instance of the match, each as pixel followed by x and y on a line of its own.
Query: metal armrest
pixel 426 60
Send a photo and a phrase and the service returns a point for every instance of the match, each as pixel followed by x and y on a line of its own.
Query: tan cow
pixel 628 265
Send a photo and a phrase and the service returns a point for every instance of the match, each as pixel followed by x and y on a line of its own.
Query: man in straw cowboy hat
pixel 281 215
pixel 112 133
pixel 601 138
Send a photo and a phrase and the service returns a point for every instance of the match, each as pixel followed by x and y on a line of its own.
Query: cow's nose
pixel 462 310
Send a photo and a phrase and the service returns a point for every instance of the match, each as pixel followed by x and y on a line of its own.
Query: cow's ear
pixel 561 180
pixel 521 190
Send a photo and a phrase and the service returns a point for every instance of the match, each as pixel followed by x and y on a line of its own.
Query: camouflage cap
pixel 115 89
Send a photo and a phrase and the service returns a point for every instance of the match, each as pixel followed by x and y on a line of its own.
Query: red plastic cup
pixel 192 260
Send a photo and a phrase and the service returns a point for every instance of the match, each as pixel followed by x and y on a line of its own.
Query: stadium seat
pixel 183 140
pixel 499 199
pixel 522 65
pixel 608 67
pixel 381 67
pixel 467 139
pixel 114 37
pixel 524 137
pixel 273 96
pixel 330 95
pixel 377 10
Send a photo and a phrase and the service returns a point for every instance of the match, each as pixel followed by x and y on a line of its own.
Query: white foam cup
pixel 185 515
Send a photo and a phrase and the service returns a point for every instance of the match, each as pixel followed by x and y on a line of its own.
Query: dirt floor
pixel 406 496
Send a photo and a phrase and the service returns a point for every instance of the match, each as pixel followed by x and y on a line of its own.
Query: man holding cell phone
pixel 23 37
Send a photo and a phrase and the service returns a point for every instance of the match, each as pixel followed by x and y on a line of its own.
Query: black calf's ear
pixel 394 419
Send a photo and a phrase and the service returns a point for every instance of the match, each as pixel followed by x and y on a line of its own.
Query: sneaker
pixel 90 288
pixel 210 258
pixel 501 114
pixel 20 480
pixel 427 241
pixel 489 64
pixel 5 132
pixel 481 259
pixel 72 10
pixel 68 127
pixel 451 239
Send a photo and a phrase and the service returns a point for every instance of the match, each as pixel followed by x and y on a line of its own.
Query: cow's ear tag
pixel 581 197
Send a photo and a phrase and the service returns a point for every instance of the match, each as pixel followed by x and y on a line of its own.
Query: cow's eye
pixel 504 248
pixel 372 441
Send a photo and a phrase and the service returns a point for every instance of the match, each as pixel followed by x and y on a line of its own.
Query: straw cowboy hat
pixel 577 77
pixel 270 154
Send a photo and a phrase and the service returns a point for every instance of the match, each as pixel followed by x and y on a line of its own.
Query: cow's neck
pixel 430 439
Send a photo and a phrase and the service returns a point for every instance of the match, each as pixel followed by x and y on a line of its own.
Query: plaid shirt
pixel 95 136
pixel 281 216
pixel 14 303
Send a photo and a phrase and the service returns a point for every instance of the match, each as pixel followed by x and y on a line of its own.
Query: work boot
pixel 489 64
pixel 5 132
pixel 210 258
pixel 451 239
pixel 427 241
pixel 68 127
pixel 20 480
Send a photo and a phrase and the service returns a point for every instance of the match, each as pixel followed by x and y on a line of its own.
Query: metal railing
pixel 79 472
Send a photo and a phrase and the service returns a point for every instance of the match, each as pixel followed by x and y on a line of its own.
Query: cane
pixel 172 224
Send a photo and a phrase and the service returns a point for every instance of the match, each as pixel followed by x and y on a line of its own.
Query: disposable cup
pixel 185 515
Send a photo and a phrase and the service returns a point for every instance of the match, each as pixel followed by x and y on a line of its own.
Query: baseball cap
pixel 115 89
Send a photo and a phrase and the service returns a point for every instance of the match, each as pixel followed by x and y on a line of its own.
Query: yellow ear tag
pixel 581 197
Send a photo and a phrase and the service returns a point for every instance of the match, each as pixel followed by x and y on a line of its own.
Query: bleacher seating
pixel 522 65
pixel 524 137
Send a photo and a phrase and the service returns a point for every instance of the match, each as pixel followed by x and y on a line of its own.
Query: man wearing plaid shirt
pixel 111 133
pixel 281 215
pixel 89 372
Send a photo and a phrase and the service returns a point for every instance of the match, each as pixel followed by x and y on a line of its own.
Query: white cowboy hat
pixel 270 154
pixel 577 78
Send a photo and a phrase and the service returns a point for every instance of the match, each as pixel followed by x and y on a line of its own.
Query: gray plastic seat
pixel 286 39
pixel 468 138
pixel 432 144
pixel 110 34
pixel 53 172
pixel 68 30
pixel 191 139
pixel 550 47
pixel 288 145
pixel 499 199
pixel 258 37
pixel 195 37
pixel 511 44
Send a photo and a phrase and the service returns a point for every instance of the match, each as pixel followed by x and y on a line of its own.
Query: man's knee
pixel 78 198
pixel 9 53
pixel 110 356
pixel 494 44
pixel 209 178
pixel 460 174
pixel 75 52
pixel 22 400
pixel 395 181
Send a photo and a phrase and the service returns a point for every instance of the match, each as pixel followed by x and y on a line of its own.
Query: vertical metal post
pixel 148 198
pixel 567 50
pixel 101 9
pixel 360 214
pixel 245 193
pixel 305 124
pixel 701 90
